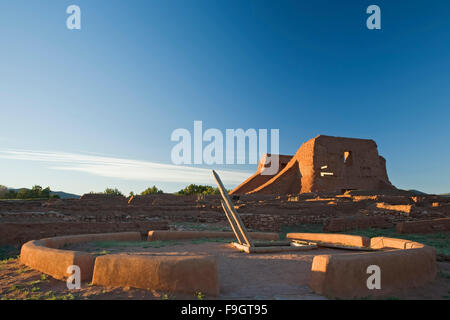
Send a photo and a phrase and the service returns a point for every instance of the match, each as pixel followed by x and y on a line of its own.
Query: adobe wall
pixel 355 222
pixel 259 178
pixel 184 274
pixel 95 197
pixel 424 226
pixel 403 264
pixel 19 233
pixel 55 262
pixel 320 166
pixel 46 256
pixel 289 180
pixel 364 169
pixel 338 239
pixel 24 221
pixel 60 242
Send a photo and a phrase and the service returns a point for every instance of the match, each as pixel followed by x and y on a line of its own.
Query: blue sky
pixel 116 89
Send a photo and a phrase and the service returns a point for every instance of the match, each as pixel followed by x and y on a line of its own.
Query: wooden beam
pixel 232 223
pixel 272 249
pixel 271 243
pixel 230 206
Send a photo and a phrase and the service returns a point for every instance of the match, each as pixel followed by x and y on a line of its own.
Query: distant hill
pixel 417 192
pixel 61 194
pixel 420 193
pixel 65 195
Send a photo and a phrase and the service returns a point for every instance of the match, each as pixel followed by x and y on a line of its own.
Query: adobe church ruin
pixel 323 164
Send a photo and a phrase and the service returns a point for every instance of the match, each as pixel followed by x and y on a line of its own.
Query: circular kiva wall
pixel 181 274
pixel 178 274
pixel 403 263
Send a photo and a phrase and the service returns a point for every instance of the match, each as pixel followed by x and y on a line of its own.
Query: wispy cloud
pixel 126 169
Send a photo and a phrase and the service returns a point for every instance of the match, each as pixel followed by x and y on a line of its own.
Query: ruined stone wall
pixel 259 178
pixel 28 220
pixel 354 164
pixel 325 164
pixel 20 232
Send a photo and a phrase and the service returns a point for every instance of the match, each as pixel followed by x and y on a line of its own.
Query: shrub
pixel 198 189
pixel 152 190
pixel 114 192
pixel 23 194
pixel 3 191
pixel 11 194
pixel 36 192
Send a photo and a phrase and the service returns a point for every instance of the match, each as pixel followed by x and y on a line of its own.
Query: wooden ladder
pixel 233 217
pixel 245 242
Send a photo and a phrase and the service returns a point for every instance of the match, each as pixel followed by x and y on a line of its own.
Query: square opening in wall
pixel 348 157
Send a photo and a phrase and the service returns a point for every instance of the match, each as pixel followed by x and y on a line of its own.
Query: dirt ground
pixel 242 276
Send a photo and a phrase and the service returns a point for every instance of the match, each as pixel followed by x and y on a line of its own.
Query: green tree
pixel 198 189
pixel 23 194
pixel 3 191
pixel 35 192
pixel 151 190
pixel 11 194
pixel 45 193
pixel 113 192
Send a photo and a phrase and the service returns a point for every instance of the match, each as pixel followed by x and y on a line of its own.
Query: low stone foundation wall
pixel 45 256
pixel 274 222
pixel 183 274
pixel 59 242
pixel 405 209
pixel 352 223
pixel 424 226
pixel 404 264
pixel 343 239
pixel 55 262
pixel 19 233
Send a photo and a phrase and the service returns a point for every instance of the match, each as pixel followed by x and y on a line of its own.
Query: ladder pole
pixel 231 209
pixel 232 223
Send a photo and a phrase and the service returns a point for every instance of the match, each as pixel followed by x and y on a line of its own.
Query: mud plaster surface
pixel 265 282
pixel 260 276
